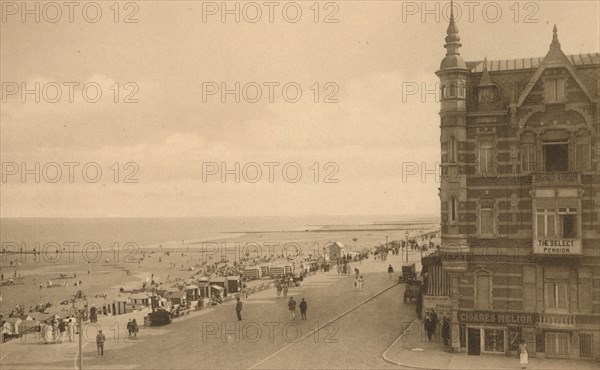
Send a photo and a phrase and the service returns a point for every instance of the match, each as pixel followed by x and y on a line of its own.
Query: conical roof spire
pixel 555 44
pixel 453 58
pixel 485 77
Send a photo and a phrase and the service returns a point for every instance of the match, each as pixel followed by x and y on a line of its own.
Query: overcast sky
pixel 368 136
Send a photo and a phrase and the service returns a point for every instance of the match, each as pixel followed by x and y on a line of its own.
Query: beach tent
pixel 117 307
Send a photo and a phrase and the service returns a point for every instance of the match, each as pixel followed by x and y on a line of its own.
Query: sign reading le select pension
pixel 557 246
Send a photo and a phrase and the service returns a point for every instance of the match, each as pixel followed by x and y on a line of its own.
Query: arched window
pixel 528 150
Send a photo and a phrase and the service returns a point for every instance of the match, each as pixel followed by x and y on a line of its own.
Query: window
pixel 562 223
pixel 482 292
pixel 557 295
pixel 583 156
pixel 557 344
pixel 585 345
pixel 529 288
pixel 452 150
pixel 454 91
pixel 555 90
pixel 487 216
pixel 528 157
pixel 556 157
pixel 453 210
pixel 546 223
pixel 486 157
pixel 493 340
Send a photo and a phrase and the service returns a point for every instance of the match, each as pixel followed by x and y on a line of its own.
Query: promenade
pixel 345 329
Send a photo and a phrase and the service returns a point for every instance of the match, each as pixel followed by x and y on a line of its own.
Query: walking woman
pixel 523 355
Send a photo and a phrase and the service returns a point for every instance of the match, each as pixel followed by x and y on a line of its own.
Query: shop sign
pixel 498 318
pixel 557 246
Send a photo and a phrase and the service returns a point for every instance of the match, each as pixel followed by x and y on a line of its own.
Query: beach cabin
pixel 192 292
pixel 217 290
pixel 222 282
pixel 178 297
pixel 336 250
pixel 203 287
pixel 255 272
pixel 264 270
pixel 280 270
pixel 234 284
pixel 139 299
pixel 117 307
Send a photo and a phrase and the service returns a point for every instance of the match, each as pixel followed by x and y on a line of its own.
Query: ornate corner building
pixel 520 201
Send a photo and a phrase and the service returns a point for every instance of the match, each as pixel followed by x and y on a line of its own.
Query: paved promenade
pixel 345 329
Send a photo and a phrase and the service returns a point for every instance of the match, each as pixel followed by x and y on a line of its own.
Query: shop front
pixel 485 332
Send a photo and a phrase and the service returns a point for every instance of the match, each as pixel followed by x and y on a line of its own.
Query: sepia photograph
pixel 306 184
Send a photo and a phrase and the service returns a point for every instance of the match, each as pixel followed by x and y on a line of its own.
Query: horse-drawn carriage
pixel 409 272
pixel 413 285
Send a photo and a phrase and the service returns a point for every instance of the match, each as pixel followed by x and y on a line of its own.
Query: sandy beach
pixel 103 271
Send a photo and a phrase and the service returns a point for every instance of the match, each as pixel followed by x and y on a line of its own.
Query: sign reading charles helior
pixel 506 318
pixel 557 246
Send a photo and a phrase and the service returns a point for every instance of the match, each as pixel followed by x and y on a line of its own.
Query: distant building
pixel 335 250
pixel 520 203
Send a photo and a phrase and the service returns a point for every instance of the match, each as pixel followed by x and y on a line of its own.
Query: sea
pixel 149 231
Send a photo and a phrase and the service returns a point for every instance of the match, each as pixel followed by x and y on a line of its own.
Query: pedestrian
pixel 100 339
pixel 356 273
pixel 93 313
pixel 419 306
pixel 429 326
pixel 62 327
pixel 361 282
pixel 435 319
pixel 446 330
pixel 390 271
pixel 285 290
pixel 71 328
pixel 292 307
pixel 523 355
pixel 244 292
pixel 134 328
pixel 238 309
pixel 129 329
pixel 355 284
pixel 55 332
pixel 278 285
pixel 303 308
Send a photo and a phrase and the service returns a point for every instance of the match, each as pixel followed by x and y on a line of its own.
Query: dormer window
pixel 554 90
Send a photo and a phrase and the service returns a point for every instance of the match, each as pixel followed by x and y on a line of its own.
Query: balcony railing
pixel 556 178
pixel 557 320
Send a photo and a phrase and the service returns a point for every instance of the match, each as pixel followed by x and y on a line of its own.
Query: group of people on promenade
pixel 54 330
pixel 291 307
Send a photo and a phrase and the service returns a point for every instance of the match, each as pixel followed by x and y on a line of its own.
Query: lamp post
pixel 80 324
pixel 406 234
